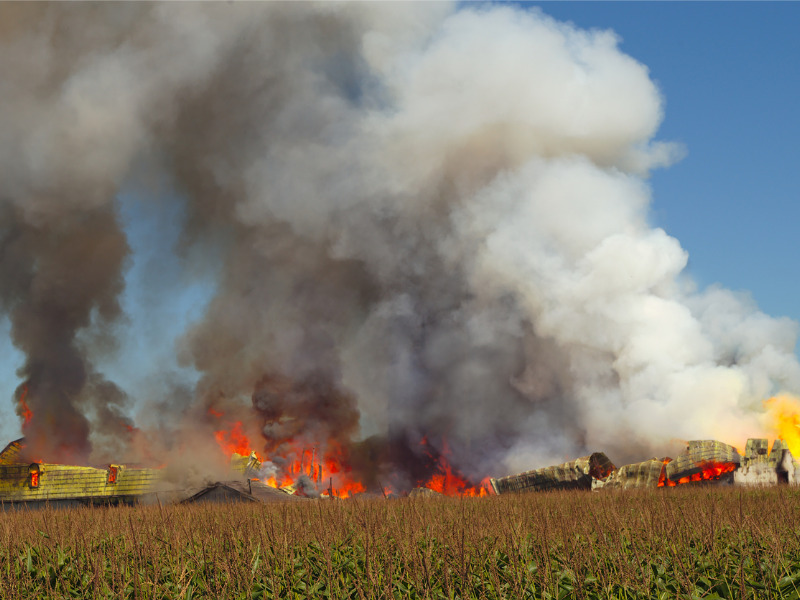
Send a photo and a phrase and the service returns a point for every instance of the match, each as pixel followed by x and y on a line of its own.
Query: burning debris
pixel 702 461
pixel 248 490
pixel 424 492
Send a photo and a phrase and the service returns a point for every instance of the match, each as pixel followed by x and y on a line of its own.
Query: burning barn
pixel 31 484
pixel 38 483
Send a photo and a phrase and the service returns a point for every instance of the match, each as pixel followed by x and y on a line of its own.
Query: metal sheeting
pixel 10 454
pixel 756 451
pixel 246 465
pixel 645 474
pixel 576 474
pixel 698 454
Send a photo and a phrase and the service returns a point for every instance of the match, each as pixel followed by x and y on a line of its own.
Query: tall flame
pixel 27 413
pixel 326 469
pixel 326 466
pixel 783 417
pixel 234 440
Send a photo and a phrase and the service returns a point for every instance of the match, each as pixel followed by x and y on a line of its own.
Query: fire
pixel 234 440
pixel 329 471
pixel 325 466
pixel 27 413
pixel 783 416
pixel 326 469
pixel 447 480
pixel 450 483
pixel 709 471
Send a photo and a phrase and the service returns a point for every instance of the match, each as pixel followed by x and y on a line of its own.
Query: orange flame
pixel 27 413
pixel 326 465
pixel 449 481
pixel 326 468
pixel 234 440
pixel 709 471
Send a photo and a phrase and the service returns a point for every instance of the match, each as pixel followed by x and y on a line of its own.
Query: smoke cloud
pixel 432 223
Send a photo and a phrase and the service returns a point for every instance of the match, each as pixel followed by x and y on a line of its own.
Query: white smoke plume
pixel 432 220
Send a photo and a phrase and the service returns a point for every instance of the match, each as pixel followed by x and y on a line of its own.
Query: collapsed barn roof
pixel 576 474
pixel 238 491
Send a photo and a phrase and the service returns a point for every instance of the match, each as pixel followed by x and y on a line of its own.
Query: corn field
pixel 703 542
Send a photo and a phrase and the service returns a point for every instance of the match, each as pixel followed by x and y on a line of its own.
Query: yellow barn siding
pixel 60 482
pixel 10 454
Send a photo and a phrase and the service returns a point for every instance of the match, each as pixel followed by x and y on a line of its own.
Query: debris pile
pixel 702 461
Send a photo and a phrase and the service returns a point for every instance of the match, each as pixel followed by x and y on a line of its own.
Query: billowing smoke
pixel 432 221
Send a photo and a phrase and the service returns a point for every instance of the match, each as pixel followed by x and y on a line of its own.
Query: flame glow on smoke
pixel 25 411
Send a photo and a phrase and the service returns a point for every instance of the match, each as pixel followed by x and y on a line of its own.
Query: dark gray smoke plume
pixel 432 223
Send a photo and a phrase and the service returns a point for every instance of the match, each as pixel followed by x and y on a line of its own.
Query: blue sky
pixel 730 76
pixel 730 73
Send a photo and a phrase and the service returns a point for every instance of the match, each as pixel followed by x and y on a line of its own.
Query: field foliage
pixel 704 542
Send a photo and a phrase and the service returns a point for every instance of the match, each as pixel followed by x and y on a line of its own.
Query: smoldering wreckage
pixel 703 462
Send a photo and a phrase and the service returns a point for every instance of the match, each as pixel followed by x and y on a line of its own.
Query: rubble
pixel 238 491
